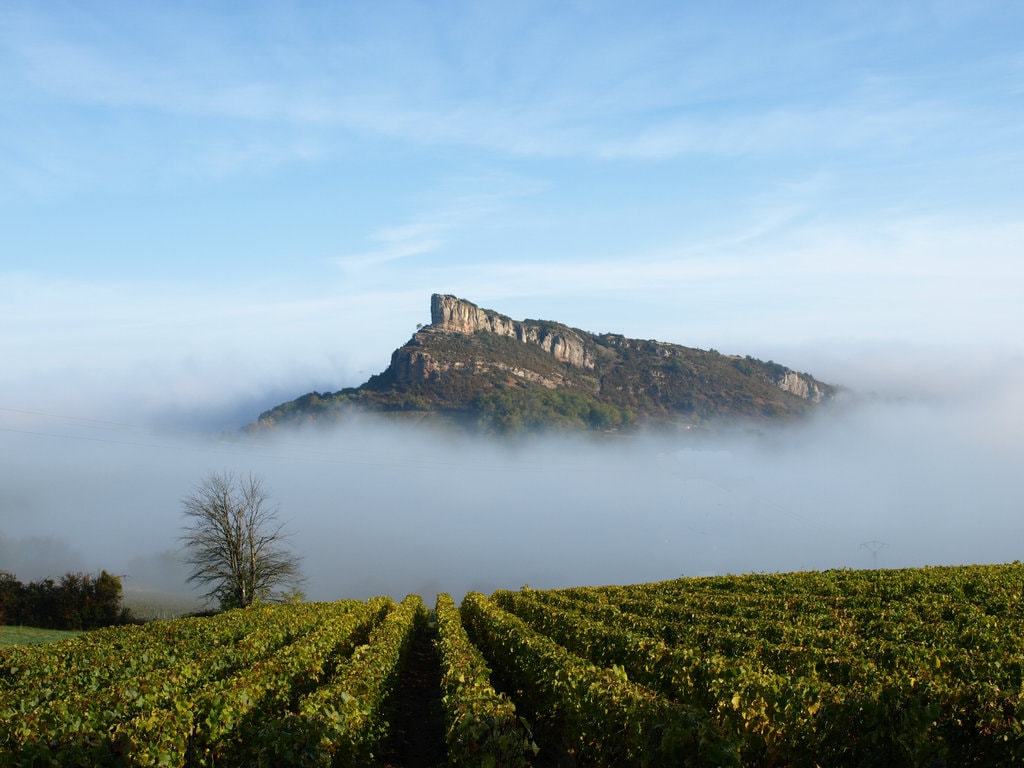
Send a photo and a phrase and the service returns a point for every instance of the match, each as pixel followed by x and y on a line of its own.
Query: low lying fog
pixel 912 466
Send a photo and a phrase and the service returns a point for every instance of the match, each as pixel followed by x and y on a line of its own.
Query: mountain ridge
pixel 480 368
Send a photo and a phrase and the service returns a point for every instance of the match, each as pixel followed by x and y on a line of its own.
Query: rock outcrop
pixel 454 315
pixel 411 364
pixel 802 385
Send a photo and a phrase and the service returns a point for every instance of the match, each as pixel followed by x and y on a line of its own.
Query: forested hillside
pixel 479 369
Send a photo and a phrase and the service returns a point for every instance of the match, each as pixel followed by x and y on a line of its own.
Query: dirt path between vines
pixel 417 733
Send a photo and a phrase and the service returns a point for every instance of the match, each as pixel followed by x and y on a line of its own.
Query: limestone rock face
pixel 454 315
pixel 411 365
pixel 801 386
pixel 448 313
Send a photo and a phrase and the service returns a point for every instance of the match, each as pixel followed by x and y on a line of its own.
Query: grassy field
pixel 32 636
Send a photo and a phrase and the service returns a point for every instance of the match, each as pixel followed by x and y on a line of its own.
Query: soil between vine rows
pixel 417 735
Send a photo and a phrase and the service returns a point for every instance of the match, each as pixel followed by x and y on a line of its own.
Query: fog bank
pixel 886 476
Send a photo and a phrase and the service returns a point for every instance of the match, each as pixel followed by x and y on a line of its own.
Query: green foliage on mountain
pixel 542 375
pixel 511 409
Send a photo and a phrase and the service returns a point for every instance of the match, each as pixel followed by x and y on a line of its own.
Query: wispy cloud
pixel 424 235
pixel 646 91
pixel 907 280
pixel 432 228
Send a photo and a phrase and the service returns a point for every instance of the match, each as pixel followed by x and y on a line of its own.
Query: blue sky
pixel 207 204
pixel 209 208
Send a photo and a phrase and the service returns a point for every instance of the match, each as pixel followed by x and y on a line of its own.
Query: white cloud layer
pixel 385 509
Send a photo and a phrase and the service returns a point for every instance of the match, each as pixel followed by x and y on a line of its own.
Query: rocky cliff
pixel 802 385
pixel 480 367
pixel 449 314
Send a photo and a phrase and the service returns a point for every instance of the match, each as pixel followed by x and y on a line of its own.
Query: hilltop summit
pixel 479 368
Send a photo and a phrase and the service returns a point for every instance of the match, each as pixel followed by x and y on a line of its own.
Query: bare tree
pixel 234 542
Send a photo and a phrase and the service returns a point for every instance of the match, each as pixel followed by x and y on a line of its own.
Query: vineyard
pixel 920 667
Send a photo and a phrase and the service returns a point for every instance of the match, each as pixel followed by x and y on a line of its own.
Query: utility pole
pixel 874 547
